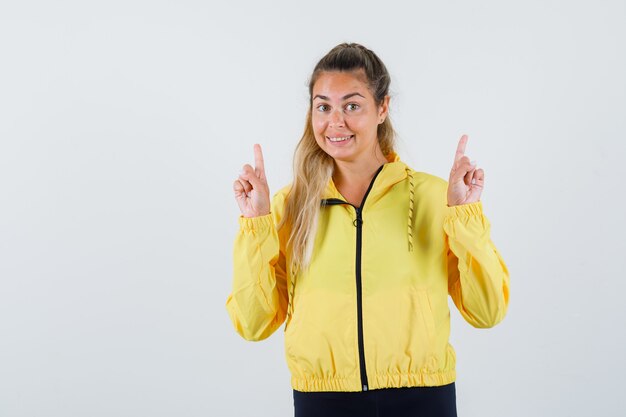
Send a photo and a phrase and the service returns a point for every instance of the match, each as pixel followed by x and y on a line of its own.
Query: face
pixel 345 117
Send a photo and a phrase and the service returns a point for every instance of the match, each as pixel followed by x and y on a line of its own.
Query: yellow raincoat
pixel 372 309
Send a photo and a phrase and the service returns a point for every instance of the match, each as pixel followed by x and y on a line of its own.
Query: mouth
pixel 339 139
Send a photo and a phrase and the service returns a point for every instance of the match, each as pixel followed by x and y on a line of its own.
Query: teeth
pixel 340 139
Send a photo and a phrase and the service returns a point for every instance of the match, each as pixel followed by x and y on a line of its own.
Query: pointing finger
pixel 460 149
pixel 259 166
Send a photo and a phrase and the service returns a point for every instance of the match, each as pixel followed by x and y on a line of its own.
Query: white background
pixel 124 123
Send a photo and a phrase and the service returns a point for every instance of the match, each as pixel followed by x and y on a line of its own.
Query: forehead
pixel 336 84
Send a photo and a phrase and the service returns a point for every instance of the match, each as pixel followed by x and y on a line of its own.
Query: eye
pixel 352 106
pixel 322 107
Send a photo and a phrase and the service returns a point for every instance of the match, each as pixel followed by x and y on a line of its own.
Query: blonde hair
pixel 312 167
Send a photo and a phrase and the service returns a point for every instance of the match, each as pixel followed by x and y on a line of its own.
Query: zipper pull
pixel 364 387
pixel 358 221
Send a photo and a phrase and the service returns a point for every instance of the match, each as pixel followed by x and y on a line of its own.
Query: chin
pixel 342 156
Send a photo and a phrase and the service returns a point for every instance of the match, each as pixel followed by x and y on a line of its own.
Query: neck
pixel 359 172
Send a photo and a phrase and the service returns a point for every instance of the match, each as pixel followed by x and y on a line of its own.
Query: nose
pixel 336 118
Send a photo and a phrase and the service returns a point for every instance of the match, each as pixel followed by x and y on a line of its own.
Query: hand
pixel 251 190
pixel 466 182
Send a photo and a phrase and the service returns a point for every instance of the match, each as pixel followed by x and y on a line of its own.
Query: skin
pixel 251 190
pixel 356 160
pixel 466 182
pixel 344 106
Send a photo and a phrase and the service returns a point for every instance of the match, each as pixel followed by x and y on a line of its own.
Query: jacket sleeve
pixel 478 279
pixel 257 305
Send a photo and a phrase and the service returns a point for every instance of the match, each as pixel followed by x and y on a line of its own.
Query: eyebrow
pixel 347 96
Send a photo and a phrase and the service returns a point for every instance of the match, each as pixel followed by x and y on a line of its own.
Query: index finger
pixel 259 167
pixel 460 149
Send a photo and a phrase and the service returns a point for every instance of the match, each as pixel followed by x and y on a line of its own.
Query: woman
pixel 359 254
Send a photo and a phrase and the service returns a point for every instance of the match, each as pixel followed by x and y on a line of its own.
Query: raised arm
pixel 258 302
pixel 478 279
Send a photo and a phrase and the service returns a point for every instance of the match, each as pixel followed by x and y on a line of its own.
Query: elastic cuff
pixel 465 210
pixel 250 224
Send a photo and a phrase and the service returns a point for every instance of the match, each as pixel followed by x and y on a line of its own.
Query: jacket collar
pixel 392 173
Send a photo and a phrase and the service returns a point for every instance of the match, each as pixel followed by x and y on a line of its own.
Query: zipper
pixel 358 223
pixel 359 293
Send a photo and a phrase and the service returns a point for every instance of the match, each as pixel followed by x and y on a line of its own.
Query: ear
pixel 383 110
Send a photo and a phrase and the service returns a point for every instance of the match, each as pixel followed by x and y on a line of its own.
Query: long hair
pixel 312 167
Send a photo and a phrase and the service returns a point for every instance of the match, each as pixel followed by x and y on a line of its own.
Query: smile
pixel 340 139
